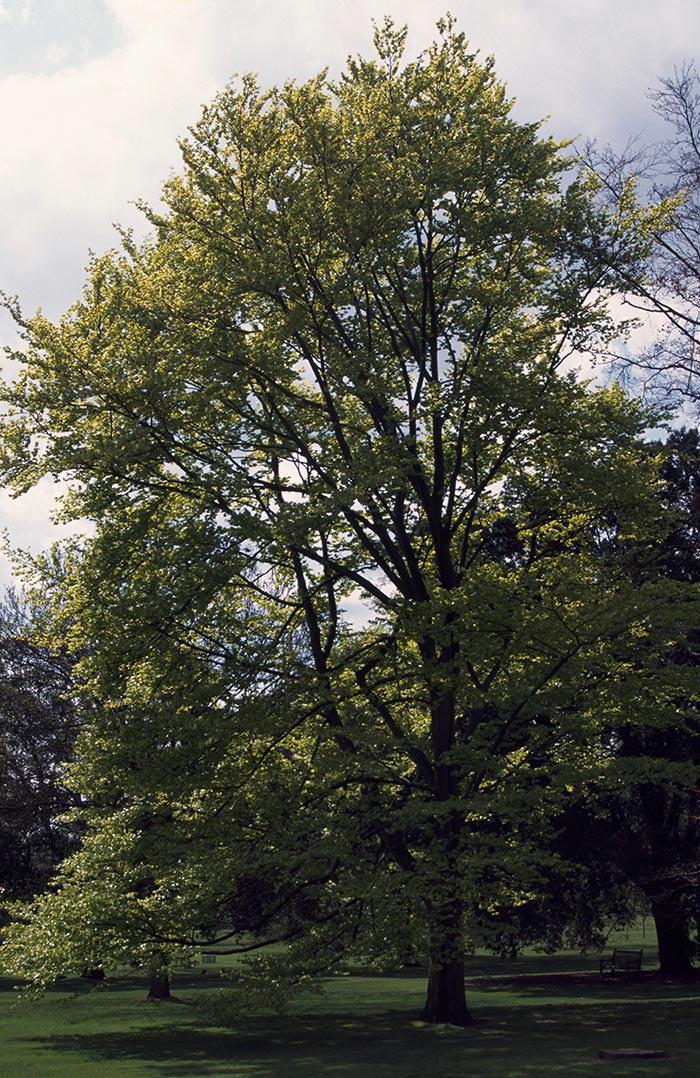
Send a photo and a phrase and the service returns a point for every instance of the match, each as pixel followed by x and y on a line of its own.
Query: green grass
pixel 361 1025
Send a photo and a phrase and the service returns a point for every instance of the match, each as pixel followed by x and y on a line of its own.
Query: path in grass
pixel 360 1025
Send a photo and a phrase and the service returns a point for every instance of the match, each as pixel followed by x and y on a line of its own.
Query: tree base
pixel 675 949
pixel 687 974
pixel 446 1001
pixel 159 988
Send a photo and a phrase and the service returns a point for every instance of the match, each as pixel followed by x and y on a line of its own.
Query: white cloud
pixel 80 140
pixel 23 12
pixel 29 522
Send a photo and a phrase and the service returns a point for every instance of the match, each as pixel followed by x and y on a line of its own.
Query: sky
pixel 94 94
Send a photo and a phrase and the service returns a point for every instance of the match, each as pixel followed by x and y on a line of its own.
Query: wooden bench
pixel 623 960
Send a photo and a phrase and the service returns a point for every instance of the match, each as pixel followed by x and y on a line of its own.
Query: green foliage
pixel 38 725
pixel 98 912
pixel 343 612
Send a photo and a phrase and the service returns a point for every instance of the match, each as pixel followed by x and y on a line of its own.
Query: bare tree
pixel 668 368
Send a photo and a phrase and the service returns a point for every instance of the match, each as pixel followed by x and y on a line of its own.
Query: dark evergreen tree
pixel 37 730
pixel 635 841
pixel 656 827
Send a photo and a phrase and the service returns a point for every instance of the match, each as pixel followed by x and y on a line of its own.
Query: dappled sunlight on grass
pixel 359 1025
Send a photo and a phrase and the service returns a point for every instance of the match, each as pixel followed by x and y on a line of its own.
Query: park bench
pixel 622 960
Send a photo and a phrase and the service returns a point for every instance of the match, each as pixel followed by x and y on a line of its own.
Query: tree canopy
pixel 343 609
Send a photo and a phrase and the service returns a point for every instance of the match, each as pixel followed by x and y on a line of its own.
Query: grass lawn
pixel 529 1024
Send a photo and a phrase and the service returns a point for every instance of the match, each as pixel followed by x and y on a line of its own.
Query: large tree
pixel 653 835
pixel 302 418
pixel 631 842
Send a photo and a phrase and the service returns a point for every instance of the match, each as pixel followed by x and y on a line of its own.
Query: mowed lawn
pixel 532 1021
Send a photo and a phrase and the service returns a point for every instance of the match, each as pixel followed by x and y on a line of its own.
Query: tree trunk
pixel 159 988
pixel 673 937
pixel 446 999
pixel 93 973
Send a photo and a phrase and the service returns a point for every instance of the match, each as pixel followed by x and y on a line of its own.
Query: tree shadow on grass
pixel 385 1045
pixel 526 1041
pixel 647 987
pixel 533 1036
